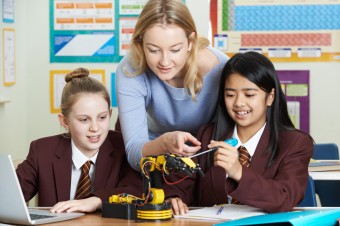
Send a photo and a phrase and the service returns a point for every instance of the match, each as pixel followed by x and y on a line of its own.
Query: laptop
pixel 13 209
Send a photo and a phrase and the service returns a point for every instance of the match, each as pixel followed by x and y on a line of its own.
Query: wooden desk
pixel 95 219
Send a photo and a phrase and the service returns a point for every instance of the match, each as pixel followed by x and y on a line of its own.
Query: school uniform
pixel 48 167
pixel 275 188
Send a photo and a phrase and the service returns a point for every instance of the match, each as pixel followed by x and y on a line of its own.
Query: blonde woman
pixel 166 85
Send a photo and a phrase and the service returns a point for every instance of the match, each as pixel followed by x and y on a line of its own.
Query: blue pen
pixel 220 210
pixel 232 141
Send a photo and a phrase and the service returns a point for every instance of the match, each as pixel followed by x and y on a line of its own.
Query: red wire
pixel 149 189
pixel 172 183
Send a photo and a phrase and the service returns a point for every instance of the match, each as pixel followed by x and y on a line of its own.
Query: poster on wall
pixel 57 83
pixel 295 85
pixel 131 7
pixel 126 29
pixel 8 38
pixel 8 11
pixel 283 30
pixel 82 31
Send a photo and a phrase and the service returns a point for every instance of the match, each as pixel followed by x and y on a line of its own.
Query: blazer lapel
pixel 260 158
pixel 105 159
pixel 62 167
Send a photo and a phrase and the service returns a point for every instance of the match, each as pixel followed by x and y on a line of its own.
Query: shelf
pixel 3 101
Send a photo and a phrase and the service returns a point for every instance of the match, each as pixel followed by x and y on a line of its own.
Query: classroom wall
pixel 27 116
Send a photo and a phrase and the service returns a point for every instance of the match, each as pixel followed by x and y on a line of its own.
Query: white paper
pixel 229 212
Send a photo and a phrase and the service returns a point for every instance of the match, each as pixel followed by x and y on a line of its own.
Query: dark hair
pixel 259 70
pixel 78 82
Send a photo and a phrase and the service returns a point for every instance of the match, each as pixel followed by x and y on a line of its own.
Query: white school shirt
pixel 78 159
pixel 251 144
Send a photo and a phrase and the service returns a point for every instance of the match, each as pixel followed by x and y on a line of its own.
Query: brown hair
pixel 168 12
pixel 78 82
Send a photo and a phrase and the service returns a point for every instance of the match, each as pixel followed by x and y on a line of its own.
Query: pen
pixel 231 141
pixel 220 210
pixel 203 152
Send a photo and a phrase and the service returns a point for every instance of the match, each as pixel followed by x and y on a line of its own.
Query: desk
pixel 325 175
pixel 327 185
pixel 95 219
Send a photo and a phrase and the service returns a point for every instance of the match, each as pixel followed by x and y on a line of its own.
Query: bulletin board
pixel 57 83
pixel 283 30
pixel 295 85
pixel 92 30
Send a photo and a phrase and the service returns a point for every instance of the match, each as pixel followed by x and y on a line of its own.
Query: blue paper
pixel 307 217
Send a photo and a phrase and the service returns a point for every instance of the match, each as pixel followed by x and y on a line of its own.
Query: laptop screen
pixel 13 207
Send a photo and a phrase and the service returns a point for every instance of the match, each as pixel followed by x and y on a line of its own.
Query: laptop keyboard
pixel 39 216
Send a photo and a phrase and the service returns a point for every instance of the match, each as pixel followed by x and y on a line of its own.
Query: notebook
pixel 13 209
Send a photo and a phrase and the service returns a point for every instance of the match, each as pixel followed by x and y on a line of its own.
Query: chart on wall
pixel 91 30
pixel 283 30
pixel 295 85
pixel 57 84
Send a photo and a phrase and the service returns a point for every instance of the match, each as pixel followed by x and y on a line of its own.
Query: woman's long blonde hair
pixel 168 12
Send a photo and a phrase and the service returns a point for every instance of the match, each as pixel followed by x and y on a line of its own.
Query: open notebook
pixel 222 212
pixel 13 208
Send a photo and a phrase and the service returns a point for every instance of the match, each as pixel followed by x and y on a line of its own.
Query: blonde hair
pixel 79 83
pixel 168 12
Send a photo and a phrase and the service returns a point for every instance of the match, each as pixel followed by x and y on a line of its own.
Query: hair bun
pixel 77 73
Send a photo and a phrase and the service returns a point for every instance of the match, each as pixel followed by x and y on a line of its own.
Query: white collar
pixel 252 143
pixel 78 158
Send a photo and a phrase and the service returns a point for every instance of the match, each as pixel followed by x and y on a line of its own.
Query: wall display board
pixel 57 83
pixel 295 85
pixel 82 31
pixel 92 30
pixel 283 30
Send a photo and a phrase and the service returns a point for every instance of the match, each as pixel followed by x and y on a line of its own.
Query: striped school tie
pixel 244 158
pixel 84 184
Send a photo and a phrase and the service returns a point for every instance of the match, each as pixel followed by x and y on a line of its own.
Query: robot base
pixel 147 212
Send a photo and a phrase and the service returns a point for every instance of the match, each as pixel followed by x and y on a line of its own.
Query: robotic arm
pixel 154 169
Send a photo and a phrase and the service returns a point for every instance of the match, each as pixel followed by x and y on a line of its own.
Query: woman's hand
pixel 177 143
pixel 178 206
pixel 82 205
pixel 226 157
